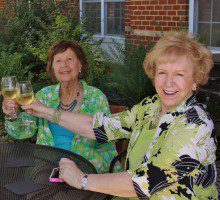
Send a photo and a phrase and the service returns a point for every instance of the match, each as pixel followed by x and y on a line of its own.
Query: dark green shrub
pixel 22 22
pixel 126 70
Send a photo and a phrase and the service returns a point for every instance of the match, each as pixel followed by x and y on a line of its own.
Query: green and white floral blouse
pixel 173 159
pixel 100 155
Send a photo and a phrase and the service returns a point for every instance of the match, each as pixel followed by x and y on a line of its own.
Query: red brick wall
pixel 148 18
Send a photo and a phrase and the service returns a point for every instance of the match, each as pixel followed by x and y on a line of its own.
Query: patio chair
pixel 118 99
pixel 210 94
pixel 119 102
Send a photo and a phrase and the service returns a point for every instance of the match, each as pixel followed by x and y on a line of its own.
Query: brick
pixel 163 2
pixel 153 23
pixel 145 23
pixel 141 17
pixel 162 12
pixel 145 2
pixel 166 28
pixel 185 7
pixel 137 12
pixel 171 24
pixel 176 7
pixel 158 7
pixel 141 8
pixel 149 28
pixel 171 12
pixel 133 7
pixel 142 27
pixel 133 17
pixel 172 1
pixel 145 12
pixel 149 7
pixel 137 22
pixel 182 24
pixel 182 12
pixel 138 2
pixel 167 7
pixel 163 23
pixel 158 28
pixel 176 19
pixel 153 2
pixel 183 1
pixel 153 12
pixel 149 17
pixel 166 18
pixel 158 17
pixel 135 27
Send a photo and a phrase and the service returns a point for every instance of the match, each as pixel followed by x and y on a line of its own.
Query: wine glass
pixel 9 90
pixel 25 96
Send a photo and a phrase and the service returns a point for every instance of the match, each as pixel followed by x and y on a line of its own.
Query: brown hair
pixel 175 45
pixel 60 47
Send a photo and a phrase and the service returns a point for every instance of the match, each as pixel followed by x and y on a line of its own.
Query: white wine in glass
pixel 9 91
pixel 25 96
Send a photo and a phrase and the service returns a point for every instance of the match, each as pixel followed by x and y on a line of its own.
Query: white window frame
pixel 192 21
pixel 107 38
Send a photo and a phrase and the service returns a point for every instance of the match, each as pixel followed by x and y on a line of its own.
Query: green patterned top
pixel 100 155
pixel 175 158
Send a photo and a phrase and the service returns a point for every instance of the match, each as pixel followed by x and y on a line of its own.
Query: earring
pixel 194 87
pixel 80 74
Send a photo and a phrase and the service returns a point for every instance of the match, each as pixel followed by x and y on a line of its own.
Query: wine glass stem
pixel 14 114
pixel 26 116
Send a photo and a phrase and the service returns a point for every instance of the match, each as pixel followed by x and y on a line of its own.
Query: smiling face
pixel 66 66
pixel 173 82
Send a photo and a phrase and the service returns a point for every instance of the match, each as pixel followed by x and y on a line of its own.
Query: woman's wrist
pixel 57 113
pixel 48 114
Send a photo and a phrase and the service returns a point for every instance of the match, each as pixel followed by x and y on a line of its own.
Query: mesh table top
pixel 46 158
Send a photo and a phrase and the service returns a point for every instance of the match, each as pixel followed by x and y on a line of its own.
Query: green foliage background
pixel 127 75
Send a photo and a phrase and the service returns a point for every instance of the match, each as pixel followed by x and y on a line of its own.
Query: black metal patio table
pixel 45 159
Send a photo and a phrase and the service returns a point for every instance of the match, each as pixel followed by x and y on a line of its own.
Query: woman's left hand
pixel 70 173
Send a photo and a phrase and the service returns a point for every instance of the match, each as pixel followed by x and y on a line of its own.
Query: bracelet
pixel 57 115
pixel 84 182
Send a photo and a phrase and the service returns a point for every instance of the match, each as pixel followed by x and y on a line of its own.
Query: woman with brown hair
pixel 67 65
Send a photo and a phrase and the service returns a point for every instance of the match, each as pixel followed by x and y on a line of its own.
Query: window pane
pixel 115 18
pixel 215 35
pixel 92 15
pixel 216 10
pixel 204 10
pixel 204 33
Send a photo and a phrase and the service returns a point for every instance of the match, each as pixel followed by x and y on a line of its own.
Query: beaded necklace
pixel 71 106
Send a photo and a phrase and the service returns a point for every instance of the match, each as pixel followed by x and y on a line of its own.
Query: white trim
pixel 102 18
pixel 191 15
pixel 80 9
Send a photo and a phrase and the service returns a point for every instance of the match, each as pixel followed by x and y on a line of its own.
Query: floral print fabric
pixel 100 155
pixel 179 162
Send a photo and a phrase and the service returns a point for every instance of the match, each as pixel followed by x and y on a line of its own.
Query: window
pixel 205 20
pixel 104 17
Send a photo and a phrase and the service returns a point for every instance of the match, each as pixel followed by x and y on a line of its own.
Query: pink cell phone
pixel 54 176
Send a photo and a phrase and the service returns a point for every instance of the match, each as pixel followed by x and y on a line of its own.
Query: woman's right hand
pixel 9 106
pixel 37 109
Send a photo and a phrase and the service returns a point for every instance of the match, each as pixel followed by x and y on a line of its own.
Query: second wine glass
pixel 25 96
pixel 9 90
